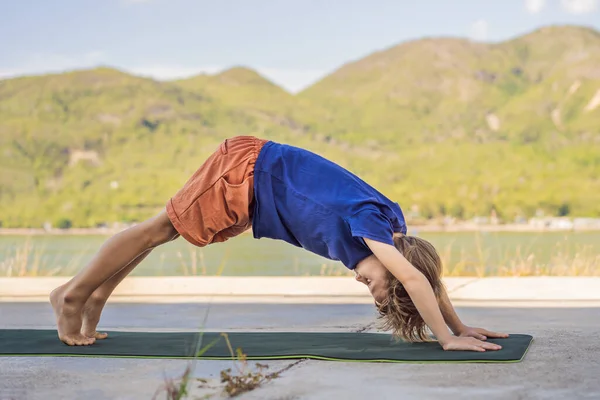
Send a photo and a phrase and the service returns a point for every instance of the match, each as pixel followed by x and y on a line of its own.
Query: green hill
pixel 100 145
pixel 513 125
pixel 448 125
pixel 437 89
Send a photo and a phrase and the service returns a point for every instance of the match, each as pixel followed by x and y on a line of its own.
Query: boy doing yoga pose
pixel 290 194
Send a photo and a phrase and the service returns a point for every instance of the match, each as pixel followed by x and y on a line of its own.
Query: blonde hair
pixel 398 312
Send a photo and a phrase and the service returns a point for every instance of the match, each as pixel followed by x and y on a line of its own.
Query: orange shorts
pixel 216 203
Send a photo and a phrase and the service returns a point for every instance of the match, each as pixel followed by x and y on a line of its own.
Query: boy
pixel 289 194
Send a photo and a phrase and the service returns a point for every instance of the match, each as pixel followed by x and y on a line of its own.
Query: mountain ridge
pixel 443 126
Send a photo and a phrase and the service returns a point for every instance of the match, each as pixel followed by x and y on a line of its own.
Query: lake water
pixel 465 253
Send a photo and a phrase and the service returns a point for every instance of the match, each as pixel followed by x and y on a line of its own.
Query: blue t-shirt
pixel 313 203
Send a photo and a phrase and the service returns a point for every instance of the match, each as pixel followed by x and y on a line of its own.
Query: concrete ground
pixel 563 362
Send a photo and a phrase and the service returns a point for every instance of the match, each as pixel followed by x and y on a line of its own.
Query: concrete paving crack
pixel 292 365
pixel 458 287
pixel 277 374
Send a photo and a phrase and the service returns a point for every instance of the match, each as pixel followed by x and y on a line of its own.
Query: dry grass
pixel 196 257
pixel 195 264
pixel 233 384
pixel 243 379
pixel 30 260
pixel 564 260
pixel 234 381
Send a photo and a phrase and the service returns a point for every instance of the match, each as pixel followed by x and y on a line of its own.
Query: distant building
pixel 565 223
pixel 586 223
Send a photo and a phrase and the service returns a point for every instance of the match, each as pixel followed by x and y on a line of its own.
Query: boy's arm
pixel 460 329
pixel 450 316
pixel 416 285
pixel 422 295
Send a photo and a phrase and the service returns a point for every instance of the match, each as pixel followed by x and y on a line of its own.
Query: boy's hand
pixel 468 343
pixel 480 333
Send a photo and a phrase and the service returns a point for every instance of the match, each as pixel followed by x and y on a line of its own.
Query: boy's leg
pixel 119 251
pixel 95 304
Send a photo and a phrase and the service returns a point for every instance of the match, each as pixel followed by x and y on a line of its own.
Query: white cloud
pixel 479 29
pixel 580 6
pixel 168 72
pixel 8 73
pixel 292 80
pixel 47 63
pixel 534 6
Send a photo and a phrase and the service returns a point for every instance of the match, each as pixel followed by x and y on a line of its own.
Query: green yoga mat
pixel 363 347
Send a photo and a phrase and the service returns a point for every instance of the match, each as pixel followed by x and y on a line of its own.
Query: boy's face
pixel 372 273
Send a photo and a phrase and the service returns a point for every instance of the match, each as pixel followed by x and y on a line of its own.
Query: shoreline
pixel 509 228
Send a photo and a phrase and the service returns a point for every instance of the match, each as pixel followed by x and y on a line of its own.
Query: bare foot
pixel 91 316
pixel 68 319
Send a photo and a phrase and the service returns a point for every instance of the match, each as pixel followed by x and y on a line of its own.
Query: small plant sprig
pixel 245 380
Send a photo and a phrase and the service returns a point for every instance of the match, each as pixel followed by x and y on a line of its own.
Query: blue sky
pixel 292 42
